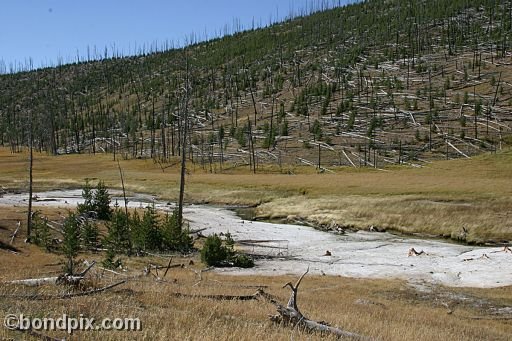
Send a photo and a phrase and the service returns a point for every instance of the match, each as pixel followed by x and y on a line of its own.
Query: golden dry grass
pixel 486 220
pixel 438 199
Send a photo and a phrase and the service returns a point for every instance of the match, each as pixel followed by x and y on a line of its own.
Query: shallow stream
pixel 290 249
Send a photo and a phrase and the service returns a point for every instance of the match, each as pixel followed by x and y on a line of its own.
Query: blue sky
pixel 46 30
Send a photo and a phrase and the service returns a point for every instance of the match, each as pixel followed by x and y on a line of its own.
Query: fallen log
pixel 147 270
pixel 219 297
pixel 349 160
pixel 34 282
pixel 291 315
pixel 37 297
pixel 457 150
pixel 197 231
pixel 483 256
pixel 8 247
pixel 491 318
pixel 90 292
pixel 56 280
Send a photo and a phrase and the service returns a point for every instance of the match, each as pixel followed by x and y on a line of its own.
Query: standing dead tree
pixel 30 174
pixel 124 190
pixel 184 125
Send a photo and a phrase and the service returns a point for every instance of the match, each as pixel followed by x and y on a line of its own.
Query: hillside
pixel 369 84
pixel 367 146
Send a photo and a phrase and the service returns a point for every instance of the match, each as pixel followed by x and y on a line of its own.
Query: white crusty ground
pixel 355 254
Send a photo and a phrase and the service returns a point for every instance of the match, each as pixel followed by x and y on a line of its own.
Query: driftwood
pixel 57 280
pixel 291 315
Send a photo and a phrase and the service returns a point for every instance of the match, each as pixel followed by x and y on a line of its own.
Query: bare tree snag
pixel 184 120
pixel 124 190
pixel 291 315
pixel 30 180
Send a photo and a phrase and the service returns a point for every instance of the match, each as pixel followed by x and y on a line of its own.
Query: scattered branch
pixel 413 252
pixel 37 297
pixel 15 233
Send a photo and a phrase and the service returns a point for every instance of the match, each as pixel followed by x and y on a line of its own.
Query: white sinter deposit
pixel 292 248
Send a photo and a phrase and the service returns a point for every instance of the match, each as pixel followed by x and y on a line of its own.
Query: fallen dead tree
pixel 8 247
pixel 287 315
pixel 147 270
pixel 39 297
pixel 66 279
pixel 220 297
pixel 291 315
pixel 483 256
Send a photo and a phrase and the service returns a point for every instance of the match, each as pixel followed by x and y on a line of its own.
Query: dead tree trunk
pixel 291 315
pixel 184 147
pixel 30 188
pixel 67 279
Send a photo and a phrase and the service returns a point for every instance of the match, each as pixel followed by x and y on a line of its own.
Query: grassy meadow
pixel 439 199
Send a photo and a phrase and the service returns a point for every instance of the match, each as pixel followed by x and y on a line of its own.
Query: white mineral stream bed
pixel 354 254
